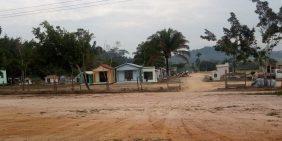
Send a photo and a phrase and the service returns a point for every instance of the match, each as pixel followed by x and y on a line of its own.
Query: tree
pixel 59 51
pixel 270 24
pixel 116 56
pixel 270 27
pixel 168 41
pixel 198 60
pixel 149 54
pixel 238 41
pixel 207 66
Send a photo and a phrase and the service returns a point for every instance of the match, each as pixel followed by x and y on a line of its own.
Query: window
pixel 128 75
pixel 215 75
pixel 148 76
pixel 1 74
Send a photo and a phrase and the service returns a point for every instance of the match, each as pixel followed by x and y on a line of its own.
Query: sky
pixel 131 21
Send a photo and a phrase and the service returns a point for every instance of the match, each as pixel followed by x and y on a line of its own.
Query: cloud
pixel 133 21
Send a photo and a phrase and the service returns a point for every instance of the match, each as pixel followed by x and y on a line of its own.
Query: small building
pixel 128 72
pixel 104 74
pixel 66 80
pixel 3 77
pixel 89 77
pixel 51 79
pixel 279 65
pixel 161 73
pixel 220 71
pixel 149 74
pixel 27 81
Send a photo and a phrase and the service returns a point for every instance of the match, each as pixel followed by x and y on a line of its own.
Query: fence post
pixel 141 84
pixel 180 84
pixel 138 84
pixel 245 79
pixel 226 80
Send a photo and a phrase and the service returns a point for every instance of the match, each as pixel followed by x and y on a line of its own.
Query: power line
pixel 61 9
pixel 52 8
pixel 34 6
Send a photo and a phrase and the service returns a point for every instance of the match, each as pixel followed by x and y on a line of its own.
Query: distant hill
pixel 210 54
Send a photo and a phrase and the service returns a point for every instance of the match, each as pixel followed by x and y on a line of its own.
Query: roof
pixel 279 63
pixel 130 64
pixel 149 67
pixel 107 66
pixel 224 65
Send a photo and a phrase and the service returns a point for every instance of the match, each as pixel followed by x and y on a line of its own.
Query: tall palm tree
pixel 169 40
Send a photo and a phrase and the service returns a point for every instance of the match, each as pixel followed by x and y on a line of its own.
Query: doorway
pixel 103 75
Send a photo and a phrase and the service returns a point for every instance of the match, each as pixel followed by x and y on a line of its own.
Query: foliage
pixel 159 47
pixel 207 66
pixel 237 42
pixel 198 60
pixel 54 51
pixel 148 54
pixel 270 24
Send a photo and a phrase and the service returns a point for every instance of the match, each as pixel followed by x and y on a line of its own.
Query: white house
pixel 51 79
pixel 128 72
pixel 220 71
pixel 149 74
pixel 3 77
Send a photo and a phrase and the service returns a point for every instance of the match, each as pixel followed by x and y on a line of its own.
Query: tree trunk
pixel 23 81
pixel 84 77
pixel 72 85
pixel 167 67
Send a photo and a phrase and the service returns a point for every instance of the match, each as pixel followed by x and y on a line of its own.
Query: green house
pixel 89 78
pixel 3 77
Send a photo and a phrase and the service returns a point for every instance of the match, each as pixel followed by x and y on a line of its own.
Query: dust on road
pixel 194 114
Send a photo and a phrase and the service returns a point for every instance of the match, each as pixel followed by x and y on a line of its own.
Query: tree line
pixel 54 50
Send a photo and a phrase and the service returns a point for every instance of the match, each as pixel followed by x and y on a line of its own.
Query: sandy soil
pixel 196 114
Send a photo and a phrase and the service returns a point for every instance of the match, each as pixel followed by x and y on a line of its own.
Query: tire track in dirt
pixel 212 134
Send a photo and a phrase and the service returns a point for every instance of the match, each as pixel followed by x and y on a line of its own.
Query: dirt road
pixel 192 115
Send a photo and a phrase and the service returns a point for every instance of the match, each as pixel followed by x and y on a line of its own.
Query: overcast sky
pixel 131 22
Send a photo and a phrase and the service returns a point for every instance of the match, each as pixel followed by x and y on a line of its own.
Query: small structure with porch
pixel 104 74
pixel 3 77
pixel 89 78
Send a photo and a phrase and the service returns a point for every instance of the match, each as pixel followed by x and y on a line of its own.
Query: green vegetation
pixel 55 51
pixel 238 41
pixel 158 48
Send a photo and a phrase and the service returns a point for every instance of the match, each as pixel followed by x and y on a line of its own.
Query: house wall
pixel 3 80
pixel 153 70
pixel 120 73
pixel 121 76
pixel 220 72
pixel 52 80
pixel 110 74
pixel 89 78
